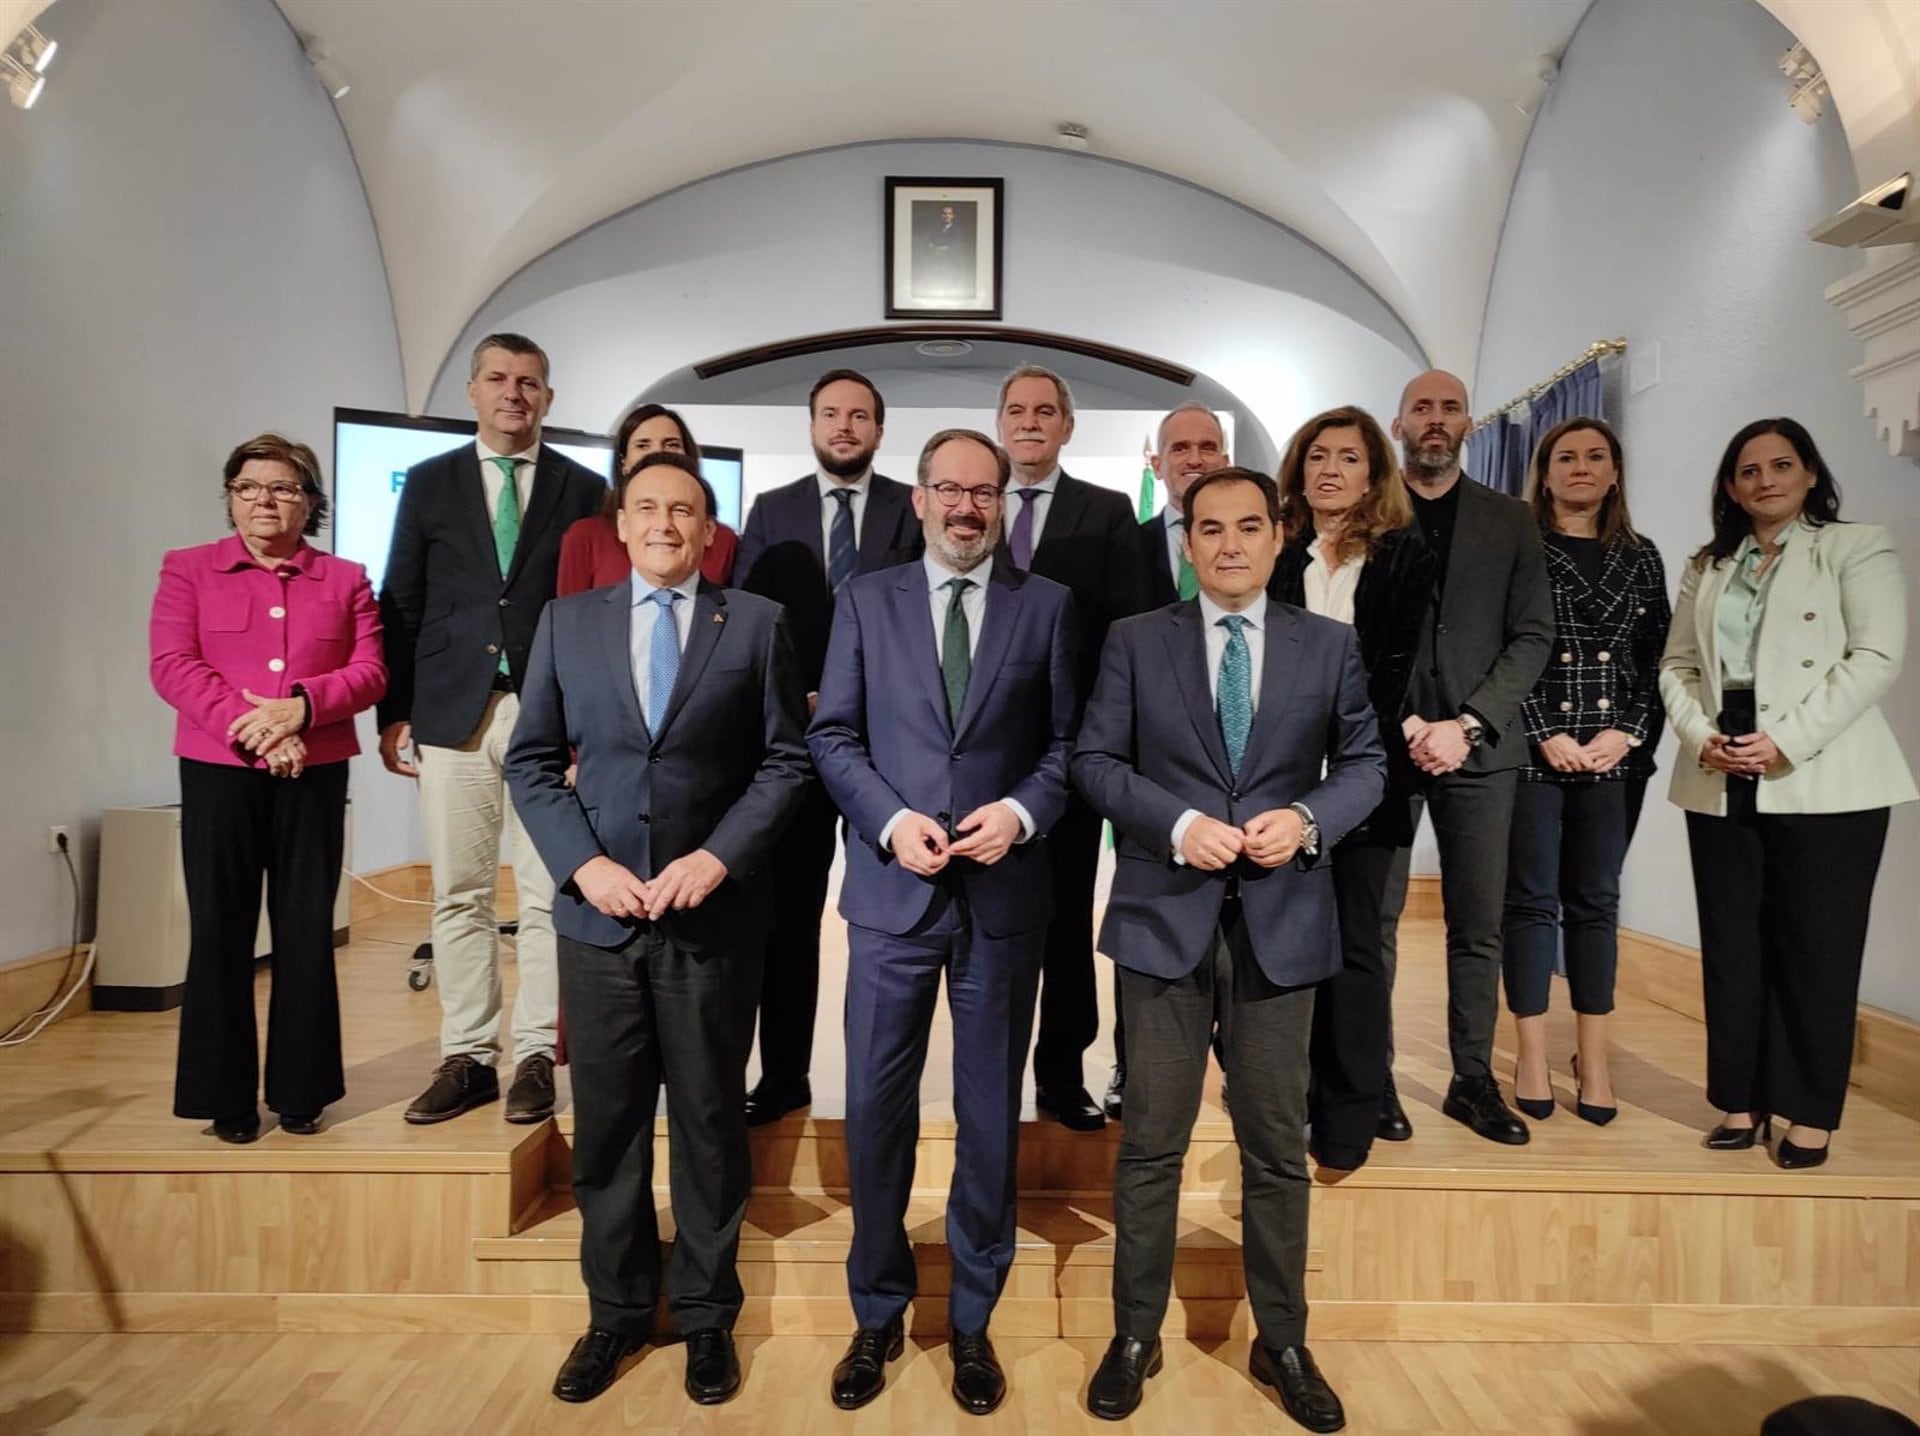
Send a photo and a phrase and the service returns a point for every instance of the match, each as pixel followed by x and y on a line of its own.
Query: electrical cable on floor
pixel 390 897
pixel 15 1037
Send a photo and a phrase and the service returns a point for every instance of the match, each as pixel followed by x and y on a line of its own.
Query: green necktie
pixel 506 525
pixel 1235 699
pixel 956 663
pixel 1189 581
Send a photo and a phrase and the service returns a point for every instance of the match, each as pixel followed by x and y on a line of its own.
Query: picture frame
pixel 943 240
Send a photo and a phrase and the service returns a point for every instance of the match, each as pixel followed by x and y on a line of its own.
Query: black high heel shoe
pixel 1737 1139
pixel 1587 1111
pixel 1793 1157
pixel 1538 1108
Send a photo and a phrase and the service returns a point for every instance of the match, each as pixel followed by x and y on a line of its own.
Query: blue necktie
pixel 663 657
pixel 841 550
pixel 1020 541
pixel 1236 690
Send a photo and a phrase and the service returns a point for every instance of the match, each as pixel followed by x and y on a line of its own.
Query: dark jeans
pixel 1170 1023
pixel 237 827
pixel 1352 1011
pixel 790 977
pixel 637 1016
pixel 1563 878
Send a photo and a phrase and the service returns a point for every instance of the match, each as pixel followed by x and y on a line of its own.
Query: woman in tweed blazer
pixel 1789 627
pixel 1593 710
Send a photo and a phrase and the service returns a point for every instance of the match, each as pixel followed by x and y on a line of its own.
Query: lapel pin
pixel 719 618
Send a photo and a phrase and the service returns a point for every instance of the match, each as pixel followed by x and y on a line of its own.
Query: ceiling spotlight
pixel 1071 136
pixel 332 77
pixel 23 85
pixel 943 348
pixel 35 50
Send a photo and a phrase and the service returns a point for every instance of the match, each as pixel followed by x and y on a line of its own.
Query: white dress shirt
pixel 1330 591
pixel 973 603
pixel 1255 634
pixel 525 464
pixel 645 616
pixel 830 508
pixel 1039 497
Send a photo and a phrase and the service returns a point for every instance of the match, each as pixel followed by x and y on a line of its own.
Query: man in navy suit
pixel 685 708
pixel 1231 742
pixel 800 545
pixel 945 719
pixel 476 551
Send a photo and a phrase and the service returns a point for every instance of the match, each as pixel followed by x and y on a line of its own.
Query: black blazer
pixel 1089 545
pixel 447 611
pixel 726 771
pixel 1604 671
pixel 781 557
pixel 1490 631
pixel 1390 608
pixel 1155 574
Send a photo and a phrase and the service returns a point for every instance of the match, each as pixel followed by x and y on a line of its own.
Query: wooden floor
pixel 227 1385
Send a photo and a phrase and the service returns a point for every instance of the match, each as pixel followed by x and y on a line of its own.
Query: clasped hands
pixel 616 891
pixel 271 730
pixel 1436 747
pixel 1599 754
pixel 985 835
pixel 1269 839
pixel 1749 755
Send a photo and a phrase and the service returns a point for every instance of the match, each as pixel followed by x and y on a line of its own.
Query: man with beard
pixel 946 714
pixel 1085 537
pixel 1480 654
pixel 801 543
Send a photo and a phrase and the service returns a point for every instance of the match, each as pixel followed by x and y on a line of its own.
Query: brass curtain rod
pixel 1596 350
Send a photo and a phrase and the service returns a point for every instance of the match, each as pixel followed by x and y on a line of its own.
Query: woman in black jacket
pixel 1354 554
pixel 1593 712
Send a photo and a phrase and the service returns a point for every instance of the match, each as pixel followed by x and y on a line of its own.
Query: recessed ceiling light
pixel 943 348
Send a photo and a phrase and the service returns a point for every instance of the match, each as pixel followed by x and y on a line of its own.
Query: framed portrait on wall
pixel 943 248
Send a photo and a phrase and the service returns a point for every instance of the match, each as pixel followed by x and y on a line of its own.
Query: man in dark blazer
pixel 686 712
pixel 1231 742
pixel 800 545
pixel 1480 654
pixel 1084 537
pixel 946 714
pixel 476 550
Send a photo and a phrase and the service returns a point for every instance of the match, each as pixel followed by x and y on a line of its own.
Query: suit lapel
pixel 1187 655
pixel 1706 627
pixel 1069 503
pixel 1466 529
pixel 470 500
pixel 884 501
pixel 549 477
pixel 709 622
pixel 1279 665
pixel 805 519
pixel 616 628
pixel 999 614
pixel 913 614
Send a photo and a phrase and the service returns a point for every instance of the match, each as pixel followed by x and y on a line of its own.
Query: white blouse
pixel 1330 591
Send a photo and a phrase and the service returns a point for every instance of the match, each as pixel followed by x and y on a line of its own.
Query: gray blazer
pixel 1492 629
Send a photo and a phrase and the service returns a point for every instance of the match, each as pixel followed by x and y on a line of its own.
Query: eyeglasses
pixel 984 496
pixel 247 491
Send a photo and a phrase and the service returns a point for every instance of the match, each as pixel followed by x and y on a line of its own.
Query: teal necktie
pixel 956 663
pixel 506 524
pixel 1235 699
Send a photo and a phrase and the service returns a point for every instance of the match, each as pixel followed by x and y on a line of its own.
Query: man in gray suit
pixel 685 706
pixel 1485 642
pixel 1231 742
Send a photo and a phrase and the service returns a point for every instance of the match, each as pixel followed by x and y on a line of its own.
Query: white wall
pixel 186 258
pixel 1665 195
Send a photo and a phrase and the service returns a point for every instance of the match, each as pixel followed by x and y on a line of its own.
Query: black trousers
pixel 1352 1012
pixel 1069 1006
pixel 1783 901
pixel 1170 1023
pixel 238 827
pixel 790 977
pixel 637 1016
pixel 1563 881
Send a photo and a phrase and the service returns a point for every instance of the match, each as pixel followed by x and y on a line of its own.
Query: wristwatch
pixel 1309 830
pixel 1472 727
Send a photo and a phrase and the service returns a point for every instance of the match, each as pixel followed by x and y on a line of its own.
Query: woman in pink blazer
pixel 265 647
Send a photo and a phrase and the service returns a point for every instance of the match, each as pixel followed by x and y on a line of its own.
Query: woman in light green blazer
pixel 1789 627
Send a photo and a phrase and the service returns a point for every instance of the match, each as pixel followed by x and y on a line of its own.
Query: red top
pixel 592 556
pixel 222 623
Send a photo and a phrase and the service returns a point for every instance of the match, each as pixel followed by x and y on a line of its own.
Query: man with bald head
pixel 1485 642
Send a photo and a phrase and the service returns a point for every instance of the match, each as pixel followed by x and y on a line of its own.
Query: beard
pixel 1432 457
pixel 851 467
pixel 960 546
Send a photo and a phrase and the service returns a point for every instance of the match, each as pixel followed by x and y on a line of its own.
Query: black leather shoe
pixel 1476 1102
pixel 1120 1381
pixel 1737 1139
pixel 593 1363
pixel 1072 1107
pixel 713 1367
pixel 1116 1091
pixel 530 1098
pixel 979 1385
pixel 460 1084
pixel 862 1372
pixel 1303 1390
pixel 1793 1157
pixel 1394 1126
pixel 300 1124
pixel 238 1131
pixel 770 1101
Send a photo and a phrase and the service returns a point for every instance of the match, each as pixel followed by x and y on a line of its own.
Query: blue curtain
pixel 1502 449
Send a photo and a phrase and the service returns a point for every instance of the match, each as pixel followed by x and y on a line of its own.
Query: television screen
pixel 372 452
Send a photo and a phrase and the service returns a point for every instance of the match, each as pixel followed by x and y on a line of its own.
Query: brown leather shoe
pixel 460 1084
pixel 530 1098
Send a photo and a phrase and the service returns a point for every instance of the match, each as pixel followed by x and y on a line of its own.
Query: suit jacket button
pixel 506 603
pixel 653 757
pixel 1808 615
pixel 646 817
pixel 493 648
pixel 1806 663
pixel 954 756
pixel 1765 706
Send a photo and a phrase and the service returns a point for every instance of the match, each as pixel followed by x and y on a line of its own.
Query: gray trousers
pixel 1170 1024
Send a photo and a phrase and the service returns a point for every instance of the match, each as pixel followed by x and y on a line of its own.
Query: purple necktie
pixel 1021 539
